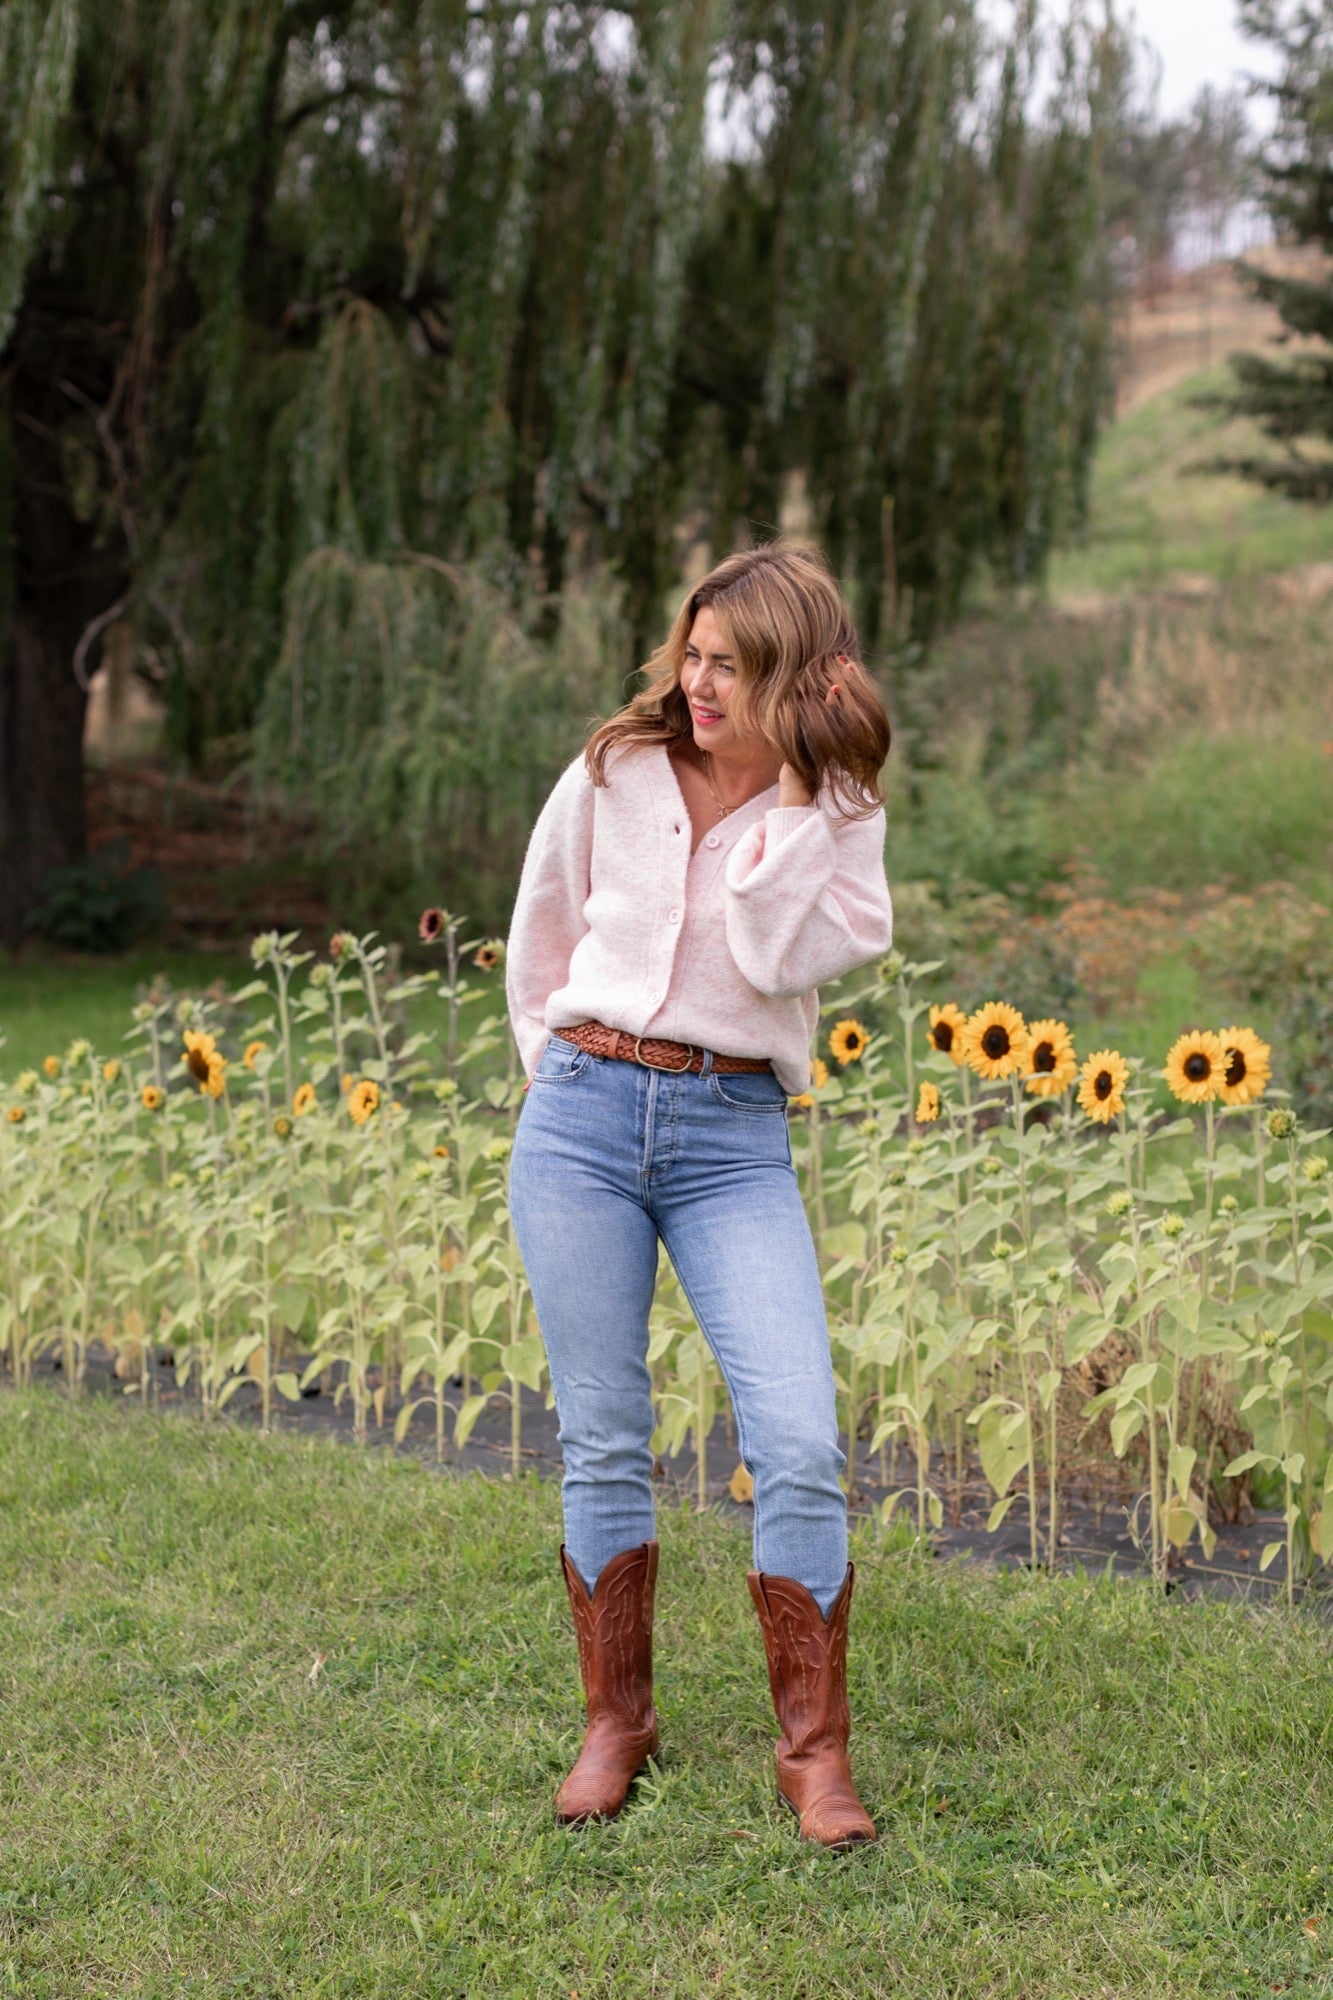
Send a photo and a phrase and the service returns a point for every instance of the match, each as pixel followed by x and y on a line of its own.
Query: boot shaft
pixel 614 1629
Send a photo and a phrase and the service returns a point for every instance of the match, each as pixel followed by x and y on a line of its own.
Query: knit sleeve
pixel 548 918
pixel 806 899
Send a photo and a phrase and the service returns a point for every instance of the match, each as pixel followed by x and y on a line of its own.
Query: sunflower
pixel 347 1081
pixel 151 1098
pixel 51 1064
pixel 199 1054
pixel 1052 1064
pixel 927 1104
pixel 1196 1065
pixel 431 925
pixel 995 1041
pixel 489 955
pixel 304 1099
pixel 16 1114
pixel 111 1070
pixel 1248 1068
pixel 440 1153
pixel 253 1049
pixel 282 1125
pixel 818 1078
pixel 337 944
pixel 948 1025
pixel 363 1101
pixel 1102 1090
pixel 848 1042
pixel 216 1081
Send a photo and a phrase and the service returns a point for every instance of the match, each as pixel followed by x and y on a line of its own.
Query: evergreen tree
pixel 1292 398
pixel 343 343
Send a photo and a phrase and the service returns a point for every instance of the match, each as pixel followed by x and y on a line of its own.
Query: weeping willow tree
pixel 372 361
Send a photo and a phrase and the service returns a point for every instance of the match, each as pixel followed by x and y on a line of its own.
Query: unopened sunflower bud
pixel 185 1009
pixel 176 1181
pixel 26 1082
pixel 892 967
pixel 868 1127
pixel 499 1149
pixel 422 1170
pixel 897 1177
pixel 346 1232
pixel 899 1254
pixel 1281 1123
pixel 1173 1225
pixel 1118 1202
pixel 282 1126
pixel 1229 1204
pixel 991 1166
pixel 1267 1337
pixel 78 1051
pixel 143 1012
pixel 1001 1250
pixel 916 1147
pixel 319 976
pixel 444 1088
pixel 1315 1167
pixel 1053 1274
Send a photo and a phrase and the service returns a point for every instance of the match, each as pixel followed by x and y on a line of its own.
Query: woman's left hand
pixel 791 792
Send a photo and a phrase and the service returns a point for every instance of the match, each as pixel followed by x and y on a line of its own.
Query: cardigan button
pixel 673 916
pixel 713 840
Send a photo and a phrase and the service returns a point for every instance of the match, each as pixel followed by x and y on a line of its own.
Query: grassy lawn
pixel 280 1718
pixel 49 997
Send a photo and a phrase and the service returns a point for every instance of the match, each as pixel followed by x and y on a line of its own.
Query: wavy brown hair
pixel 790 635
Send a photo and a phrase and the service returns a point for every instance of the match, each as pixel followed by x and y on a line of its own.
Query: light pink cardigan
pixel 617 922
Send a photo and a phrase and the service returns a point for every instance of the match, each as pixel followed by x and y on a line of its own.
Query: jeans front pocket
pixel 561 1062
pixel 748 1090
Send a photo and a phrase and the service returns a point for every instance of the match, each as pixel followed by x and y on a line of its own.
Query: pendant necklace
pixel 722 810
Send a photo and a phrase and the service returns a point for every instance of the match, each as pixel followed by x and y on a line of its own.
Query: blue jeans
pixel 609 1157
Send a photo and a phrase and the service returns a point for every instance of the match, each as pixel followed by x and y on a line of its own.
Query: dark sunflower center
pixel 1197 1067
pixel 942 1035
pixel 995 1042
pixel 1043 1057
pixel 1235 1068
pixel 1103 1085
pixel 197 1064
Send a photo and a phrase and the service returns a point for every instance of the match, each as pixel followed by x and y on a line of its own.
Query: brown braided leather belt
pixel 677 1057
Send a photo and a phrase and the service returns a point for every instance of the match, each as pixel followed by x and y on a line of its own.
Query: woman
pixel 714 855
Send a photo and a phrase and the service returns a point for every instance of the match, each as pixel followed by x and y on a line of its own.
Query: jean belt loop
pixel 707 1062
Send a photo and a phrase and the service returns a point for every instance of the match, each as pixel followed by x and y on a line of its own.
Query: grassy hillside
pixel 1152 520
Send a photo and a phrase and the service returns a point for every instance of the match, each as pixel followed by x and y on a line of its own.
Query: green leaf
pixel 292 1303
pixel 1125 1426
pixel 846 1239
pixel 1271 1551
pixel 466 1419
pixel 287 1385
pixel 1246 1460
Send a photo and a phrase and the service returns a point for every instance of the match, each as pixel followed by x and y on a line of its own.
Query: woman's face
pixel 708 677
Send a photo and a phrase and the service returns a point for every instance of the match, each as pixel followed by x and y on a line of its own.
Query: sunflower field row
pixel 1037 1266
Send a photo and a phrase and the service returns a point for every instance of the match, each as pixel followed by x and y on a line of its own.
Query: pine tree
pixel 1292 398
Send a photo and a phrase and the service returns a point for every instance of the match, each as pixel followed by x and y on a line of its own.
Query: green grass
pixel 1081 1791
pixel 49 997
pixel 1148 519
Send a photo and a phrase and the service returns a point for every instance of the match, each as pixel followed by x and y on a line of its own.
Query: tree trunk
pixel 41 762
pixel 64 575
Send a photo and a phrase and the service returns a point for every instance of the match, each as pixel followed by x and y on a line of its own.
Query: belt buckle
pixel 666 1068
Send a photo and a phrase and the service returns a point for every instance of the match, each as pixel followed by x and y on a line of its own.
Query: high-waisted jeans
pixel 608 1158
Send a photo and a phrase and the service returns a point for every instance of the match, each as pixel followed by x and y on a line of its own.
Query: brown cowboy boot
pixel 807 1671
pixel 615 1635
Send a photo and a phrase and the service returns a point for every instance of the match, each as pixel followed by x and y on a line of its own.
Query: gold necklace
pixel 722 810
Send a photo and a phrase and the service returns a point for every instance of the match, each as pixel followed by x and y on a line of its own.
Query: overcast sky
pixel 1199 43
